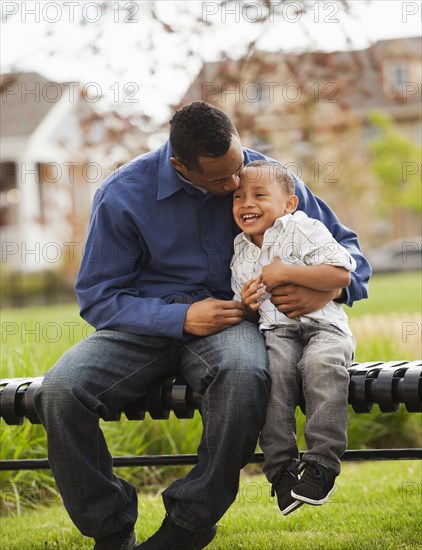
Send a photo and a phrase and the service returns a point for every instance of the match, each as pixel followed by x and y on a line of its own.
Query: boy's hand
pixel 251 293
pixel 276 274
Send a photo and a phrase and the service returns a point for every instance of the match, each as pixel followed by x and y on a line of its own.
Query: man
pixel 155 283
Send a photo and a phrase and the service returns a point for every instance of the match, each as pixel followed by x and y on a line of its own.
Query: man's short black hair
pixel 200 130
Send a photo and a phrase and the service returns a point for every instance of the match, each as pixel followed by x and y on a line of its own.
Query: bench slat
pixel 387 384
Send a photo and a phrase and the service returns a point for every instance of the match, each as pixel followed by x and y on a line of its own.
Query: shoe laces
pixel 312 473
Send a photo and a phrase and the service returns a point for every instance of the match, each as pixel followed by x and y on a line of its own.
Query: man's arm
pixel 301 296
pixel 108 293
pixel 106 284
pixel 314 207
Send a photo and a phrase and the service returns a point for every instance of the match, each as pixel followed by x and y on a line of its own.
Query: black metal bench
pixel 387 384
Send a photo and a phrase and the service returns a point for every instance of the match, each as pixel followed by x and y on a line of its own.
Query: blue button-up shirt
pixel 156 244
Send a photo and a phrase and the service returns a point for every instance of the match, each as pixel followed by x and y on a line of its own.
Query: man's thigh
pixel 240 348
pixel 111 368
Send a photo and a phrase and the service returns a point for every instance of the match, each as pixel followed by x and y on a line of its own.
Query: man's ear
pixel 179 166
pixel 291 204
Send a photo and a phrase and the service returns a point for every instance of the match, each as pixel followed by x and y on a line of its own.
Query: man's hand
pixel 211 316
pixel 295 300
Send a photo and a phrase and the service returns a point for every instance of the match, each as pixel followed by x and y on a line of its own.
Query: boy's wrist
pixel 288 272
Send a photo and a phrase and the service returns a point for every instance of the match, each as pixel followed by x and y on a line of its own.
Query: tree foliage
pixel 148 41
pixel 396 163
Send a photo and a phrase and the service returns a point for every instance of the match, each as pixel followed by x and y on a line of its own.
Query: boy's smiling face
pixel 259 200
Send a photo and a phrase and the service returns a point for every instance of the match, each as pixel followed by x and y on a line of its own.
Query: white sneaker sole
pixel 291 508
pixel 310 500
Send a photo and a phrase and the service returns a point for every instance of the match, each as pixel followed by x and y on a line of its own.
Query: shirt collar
pixel 270 234
pixel 169 181
pixel 203 191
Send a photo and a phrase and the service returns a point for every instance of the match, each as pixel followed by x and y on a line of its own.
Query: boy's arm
pixel 327 265
pixel 317 277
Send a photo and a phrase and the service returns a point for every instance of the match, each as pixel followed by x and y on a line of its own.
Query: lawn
pixel 33 339
pixel 376 505
pixel 392 293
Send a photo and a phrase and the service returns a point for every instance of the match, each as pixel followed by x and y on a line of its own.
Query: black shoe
pixel 123 540
pixel 316 484
pixel 282 486
pixel 171 536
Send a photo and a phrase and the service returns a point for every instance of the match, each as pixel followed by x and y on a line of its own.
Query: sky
pixel 143 69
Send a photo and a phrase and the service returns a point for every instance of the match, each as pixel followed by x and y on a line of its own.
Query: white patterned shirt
pixel 295 239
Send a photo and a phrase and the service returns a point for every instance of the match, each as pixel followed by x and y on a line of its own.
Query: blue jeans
pixel 103 373
pixel 315 355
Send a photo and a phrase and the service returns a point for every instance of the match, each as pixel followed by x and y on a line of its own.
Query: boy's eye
pixel 260 195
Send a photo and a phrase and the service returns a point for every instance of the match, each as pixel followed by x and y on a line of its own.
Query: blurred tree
pixel 142 42
pixel 396 163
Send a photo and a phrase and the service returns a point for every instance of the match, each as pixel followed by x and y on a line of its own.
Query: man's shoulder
pixel 251 155
pixel 136 170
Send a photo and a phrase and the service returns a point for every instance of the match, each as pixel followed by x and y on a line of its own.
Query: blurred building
pixel 57 147
pixel 312 111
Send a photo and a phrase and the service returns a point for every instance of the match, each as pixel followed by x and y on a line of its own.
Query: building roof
pixel 361 71
pixel 26 99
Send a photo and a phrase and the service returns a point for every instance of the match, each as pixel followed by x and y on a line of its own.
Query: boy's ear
pixel 291 204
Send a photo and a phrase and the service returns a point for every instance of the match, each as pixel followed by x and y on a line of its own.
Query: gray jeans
pixel 316 356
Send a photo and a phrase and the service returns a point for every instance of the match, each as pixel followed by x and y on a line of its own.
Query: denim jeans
pixel 315 355
pixel 101 374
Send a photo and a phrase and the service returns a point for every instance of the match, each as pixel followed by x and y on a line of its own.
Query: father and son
pixel 210 261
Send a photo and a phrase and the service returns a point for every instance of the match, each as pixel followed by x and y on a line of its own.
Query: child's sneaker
pixel 282 486
pixel 316 484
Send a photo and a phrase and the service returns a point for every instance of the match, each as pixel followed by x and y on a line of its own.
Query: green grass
pixel 375 506
pixel 395 293
pixel 33 339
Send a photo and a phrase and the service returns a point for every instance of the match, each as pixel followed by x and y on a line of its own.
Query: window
pixel 7 176
pixel 396 73
pixel 9 194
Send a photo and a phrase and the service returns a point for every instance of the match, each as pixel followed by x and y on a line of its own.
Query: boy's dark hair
pixel 280 173
pixel 200 130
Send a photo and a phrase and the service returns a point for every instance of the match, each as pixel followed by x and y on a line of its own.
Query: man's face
pixel 259 200
pixel 219 175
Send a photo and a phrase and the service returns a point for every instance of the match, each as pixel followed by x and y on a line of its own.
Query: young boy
pixel 279 246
